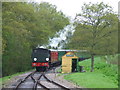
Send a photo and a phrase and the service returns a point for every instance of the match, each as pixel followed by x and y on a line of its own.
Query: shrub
pixel 100 65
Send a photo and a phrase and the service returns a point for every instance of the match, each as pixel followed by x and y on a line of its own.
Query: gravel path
pixel 61 80
pixel 14 80
pixel 54 76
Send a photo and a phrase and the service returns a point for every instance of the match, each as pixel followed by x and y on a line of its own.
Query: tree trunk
pixel 92 63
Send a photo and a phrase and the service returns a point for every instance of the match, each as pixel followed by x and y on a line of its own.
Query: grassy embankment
pixel 105 75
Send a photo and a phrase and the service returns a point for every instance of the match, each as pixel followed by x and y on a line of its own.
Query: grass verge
pixel 105 75
pixel 91 80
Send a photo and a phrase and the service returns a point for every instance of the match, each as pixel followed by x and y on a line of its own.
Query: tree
pixel 48 21
pixel 24 26
pixel 96 30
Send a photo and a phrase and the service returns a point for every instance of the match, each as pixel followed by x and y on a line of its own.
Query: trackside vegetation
pixel 28 25
pixel 5 79
pixel 24 27
pixel 91 80
pixel 104 76
pixel 97 32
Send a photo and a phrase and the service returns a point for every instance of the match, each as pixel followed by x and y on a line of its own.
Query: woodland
pixel 26 25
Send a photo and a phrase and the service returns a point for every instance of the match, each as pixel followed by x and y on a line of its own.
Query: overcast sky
pixel 71 7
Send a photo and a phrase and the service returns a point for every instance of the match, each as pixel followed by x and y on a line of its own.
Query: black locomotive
pixel 41 59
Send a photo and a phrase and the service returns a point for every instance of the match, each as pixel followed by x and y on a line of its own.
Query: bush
pixel 100 65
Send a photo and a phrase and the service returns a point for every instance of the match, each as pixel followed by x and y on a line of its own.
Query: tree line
pixel 96 31
pixel 24 26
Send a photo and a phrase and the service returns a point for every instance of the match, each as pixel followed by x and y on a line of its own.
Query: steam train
pixel 44 59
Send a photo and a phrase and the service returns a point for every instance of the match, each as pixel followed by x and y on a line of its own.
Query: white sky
pixel 71 7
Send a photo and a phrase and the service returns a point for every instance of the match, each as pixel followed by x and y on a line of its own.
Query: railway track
pixel 41 81
pixel 23 80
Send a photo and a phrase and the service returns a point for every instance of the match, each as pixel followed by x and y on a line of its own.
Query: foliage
pixel 24 26
pixel 111 59
pixel 96 30
pixel 101 66
pixel 94 26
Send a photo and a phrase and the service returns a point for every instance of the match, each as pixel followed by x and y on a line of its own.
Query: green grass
pixel 104 76
pixel 100 66
pixel 87 63
pixel 91 80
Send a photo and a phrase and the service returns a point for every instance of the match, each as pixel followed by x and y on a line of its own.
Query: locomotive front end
pixel 40 59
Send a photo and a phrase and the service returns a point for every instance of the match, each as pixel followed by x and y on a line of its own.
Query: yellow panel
pixel 66 61
pixel 66 65
pixel 66 69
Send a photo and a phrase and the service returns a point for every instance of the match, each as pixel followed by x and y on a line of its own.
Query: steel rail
pixel 43 85
pixel 36 82
pixel 22 81
pixel 51 81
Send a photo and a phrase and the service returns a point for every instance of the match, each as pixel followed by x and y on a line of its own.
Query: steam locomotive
pixel 43 59
pixel 40 58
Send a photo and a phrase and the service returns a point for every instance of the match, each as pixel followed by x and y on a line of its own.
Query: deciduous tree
pixel 96 30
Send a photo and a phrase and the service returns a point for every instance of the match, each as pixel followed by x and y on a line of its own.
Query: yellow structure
pixel 67 62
